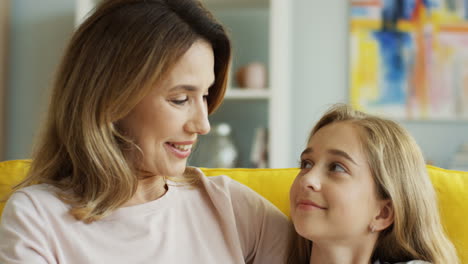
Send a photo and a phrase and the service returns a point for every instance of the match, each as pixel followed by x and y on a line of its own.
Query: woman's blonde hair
pixel 400 175
pixel 113 60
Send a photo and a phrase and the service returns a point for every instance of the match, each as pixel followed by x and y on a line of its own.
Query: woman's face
pixel 166 123
pixel 333 198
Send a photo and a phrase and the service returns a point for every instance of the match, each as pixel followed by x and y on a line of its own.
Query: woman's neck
pixel 334 253
pixel 149 189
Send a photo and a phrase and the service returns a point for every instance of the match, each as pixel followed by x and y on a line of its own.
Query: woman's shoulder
pixel 33 192
pixel 239 195
pixel 219 181
pixel 38 197
pixel 262 229
pixel 223 184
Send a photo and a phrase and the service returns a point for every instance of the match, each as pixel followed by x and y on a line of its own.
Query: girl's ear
pixel 385 216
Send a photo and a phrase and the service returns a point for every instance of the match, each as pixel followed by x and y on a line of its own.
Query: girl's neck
pixel 333 253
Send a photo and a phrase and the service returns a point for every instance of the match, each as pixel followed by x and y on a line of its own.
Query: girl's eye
pixel 180 102
pixel 336 167
pixel 205 97
pixel 305 164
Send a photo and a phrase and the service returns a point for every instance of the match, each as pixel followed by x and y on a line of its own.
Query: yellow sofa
pixel 273 184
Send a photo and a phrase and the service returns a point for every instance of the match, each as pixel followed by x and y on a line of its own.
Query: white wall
pixel 39 32
pixel 319 61
pixel 320 74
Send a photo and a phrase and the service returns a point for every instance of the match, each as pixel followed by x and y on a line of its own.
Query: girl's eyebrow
pixel 335 152
pixel 306 151
pixel 341 153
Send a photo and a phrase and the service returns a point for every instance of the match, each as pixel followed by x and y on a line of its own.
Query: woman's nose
pixel 203 126
pixel 199 122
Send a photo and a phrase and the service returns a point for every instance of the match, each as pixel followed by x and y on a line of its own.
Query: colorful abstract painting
pixel 409 58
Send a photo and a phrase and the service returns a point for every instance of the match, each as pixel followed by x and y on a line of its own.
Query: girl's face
pixel 166 123
pixel 333 198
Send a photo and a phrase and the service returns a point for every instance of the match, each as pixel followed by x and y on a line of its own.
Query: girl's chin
pixel 306 232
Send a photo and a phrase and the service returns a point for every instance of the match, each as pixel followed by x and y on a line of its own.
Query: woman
pixel 363 196
pixel 132 94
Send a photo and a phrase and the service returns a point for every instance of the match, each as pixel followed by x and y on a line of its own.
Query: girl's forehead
pixel 343 136
pixel 341 130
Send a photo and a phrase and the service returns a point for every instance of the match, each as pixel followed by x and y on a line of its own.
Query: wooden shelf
pixel 247 94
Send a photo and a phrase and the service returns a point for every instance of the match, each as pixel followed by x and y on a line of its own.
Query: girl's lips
pixel 178 152
pixel 309 205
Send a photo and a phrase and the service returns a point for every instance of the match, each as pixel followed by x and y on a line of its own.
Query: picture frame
pixel 408 59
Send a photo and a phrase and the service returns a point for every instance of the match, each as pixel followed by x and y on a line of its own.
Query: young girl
pixel 363 196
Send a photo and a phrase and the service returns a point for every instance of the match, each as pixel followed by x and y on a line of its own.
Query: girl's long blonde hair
pixel 400 174
pixel 113 60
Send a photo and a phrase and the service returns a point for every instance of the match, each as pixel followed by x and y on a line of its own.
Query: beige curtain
pixel 4 26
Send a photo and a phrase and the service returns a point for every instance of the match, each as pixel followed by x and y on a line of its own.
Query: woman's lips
pixel 180 149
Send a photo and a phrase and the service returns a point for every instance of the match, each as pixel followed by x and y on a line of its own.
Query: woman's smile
pixel 180 149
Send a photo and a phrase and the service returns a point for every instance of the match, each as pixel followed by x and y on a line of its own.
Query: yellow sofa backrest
pixel 273 184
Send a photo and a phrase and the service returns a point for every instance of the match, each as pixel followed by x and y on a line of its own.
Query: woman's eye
pixel 205 97
pixel 305 164
pixel 180 102
pixel 336 167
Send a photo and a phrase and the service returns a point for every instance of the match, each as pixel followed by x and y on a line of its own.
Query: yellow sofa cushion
pixel 11 173
pixel 452 192
pixel 273 184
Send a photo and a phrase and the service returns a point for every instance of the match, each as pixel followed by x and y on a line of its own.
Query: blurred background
pixel 292 60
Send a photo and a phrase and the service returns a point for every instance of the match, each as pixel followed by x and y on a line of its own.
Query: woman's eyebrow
pixel 187 87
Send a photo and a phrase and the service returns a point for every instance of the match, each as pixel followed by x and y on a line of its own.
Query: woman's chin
pixel 176 170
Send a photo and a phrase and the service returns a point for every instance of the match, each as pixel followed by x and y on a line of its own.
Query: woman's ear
pixel 385 216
